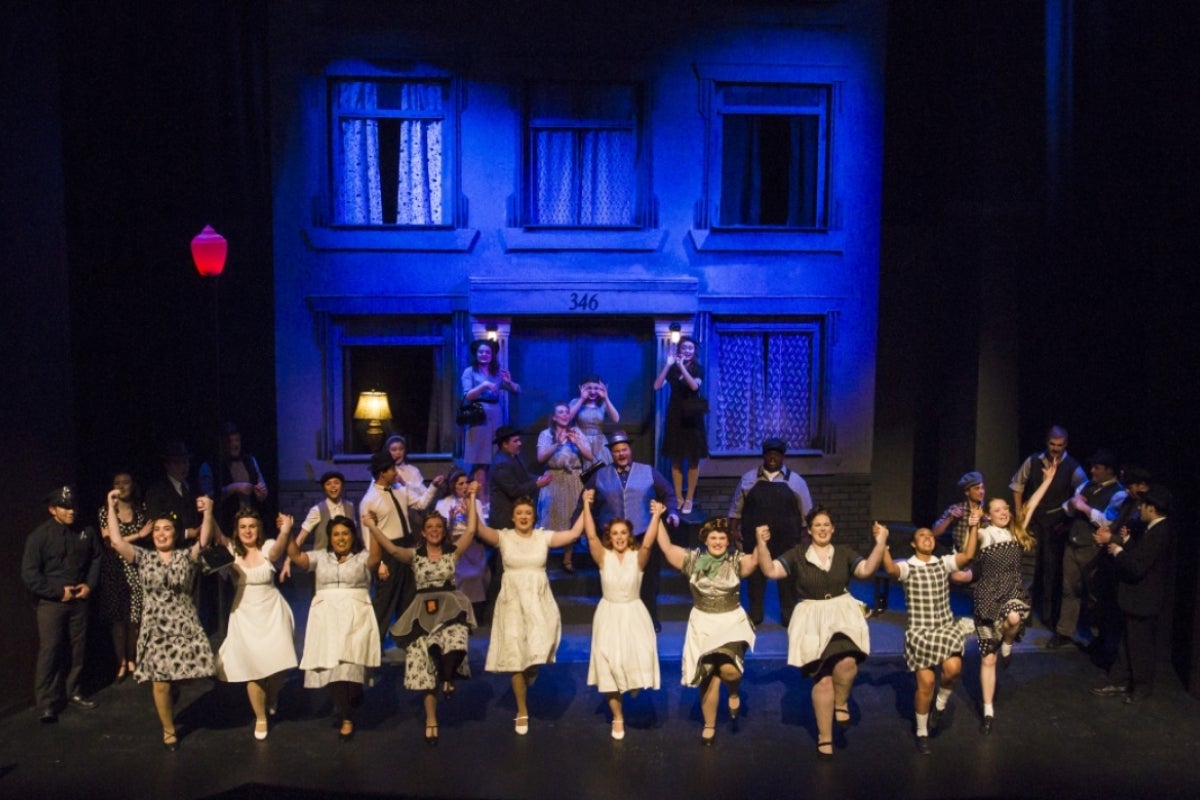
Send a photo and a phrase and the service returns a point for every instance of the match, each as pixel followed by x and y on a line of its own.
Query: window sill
pixel 750 241
pixel 455 240
pixel 524 239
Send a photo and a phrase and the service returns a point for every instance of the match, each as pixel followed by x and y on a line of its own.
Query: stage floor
pixel 1051 739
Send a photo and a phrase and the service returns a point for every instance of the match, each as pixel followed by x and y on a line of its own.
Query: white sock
pixel 943 697
pixel 922 724
pixel 1006 649
pixel 989 710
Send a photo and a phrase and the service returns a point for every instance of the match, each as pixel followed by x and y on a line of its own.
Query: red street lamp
pixel 209 249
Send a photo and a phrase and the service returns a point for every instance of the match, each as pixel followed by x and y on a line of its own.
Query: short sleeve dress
pixel 556 502
pixel 172 646
pixel 341 639
pixel 439 616
pixel 718 624
pixel 260 640
pixel 828 623
pixel 477 439
pixel 590 419
pixel 931 634
pixel 471 572
pixel 120 586
pixel 526 625
pixel 684 437
pixel 624 649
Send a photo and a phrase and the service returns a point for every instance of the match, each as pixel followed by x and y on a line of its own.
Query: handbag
pixel 470 413
pixel 695 406
pixel 214 559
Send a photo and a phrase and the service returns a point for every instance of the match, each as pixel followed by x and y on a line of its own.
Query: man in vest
pixel 774 496
pixel 624 491
pixel 1040 486
pixel 316 523
pixel 1093 506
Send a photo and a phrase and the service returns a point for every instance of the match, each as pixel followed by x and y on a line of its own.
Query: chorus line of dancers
pixel 828 635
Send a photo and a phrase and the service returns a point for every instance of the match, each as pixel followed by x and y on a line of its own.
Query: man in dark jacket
pixel 61 566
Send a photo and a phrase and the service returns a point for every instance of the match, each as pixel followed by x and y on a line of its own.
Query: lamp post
pixel 209 250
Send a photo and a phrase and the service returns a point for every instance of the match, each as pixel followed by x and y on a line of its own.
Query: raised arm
pixel 284 522
pixel 748 564
pixel 468 536
pixel 119 543
pixel 295 554
pixel 866 567
pixel 401 554
pixel 475 525
pixel 972 544
pixel 770 568
pixel 609 408
pixel 674 554
pixel 589 528
pixel 563 538
pixel 890 566
pixel 657 510
pixel 204 505
pixel 662 376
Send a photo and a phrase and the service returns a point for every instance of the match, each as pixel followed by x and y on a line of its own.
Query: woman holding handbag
pixel 482 382
pixel 685 440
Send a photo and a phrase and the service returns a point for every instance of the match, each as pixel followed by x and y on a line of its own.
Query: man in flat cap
pixel 955 519
pixel 771 495
pixel 1094 505
pixel 61 566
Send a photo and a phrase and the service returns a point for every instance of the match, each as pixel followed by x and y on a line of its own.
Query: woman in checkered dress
pixel 1002 602
pixel 932 636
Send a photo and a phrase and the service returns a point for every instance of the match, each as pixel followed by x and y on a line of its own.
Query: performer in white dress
pixel 526 625
pixel 719 632
pixel 341 641
pixel 259 642
pixel 624 655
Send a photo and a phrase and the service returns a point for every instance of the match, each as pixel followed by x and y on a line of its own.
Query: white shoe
pixel 521 727
pixel 260 730
pixel 618 734
pixel 687 507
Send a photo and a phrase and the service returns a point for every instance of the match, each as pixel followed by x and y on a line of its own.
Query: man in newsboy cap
pixel 61 566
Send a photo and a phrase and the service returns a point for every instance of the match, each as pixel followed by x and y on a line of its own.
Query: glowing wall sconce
pixel 493 332
pixel 373 407
pixel 675 328
pixel 209 249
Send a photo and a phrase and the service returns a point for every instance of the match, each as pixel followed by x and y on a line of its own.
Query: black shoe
pixel 170 742
pixel 986 726
pixel 1111 690
pixel 48 716
pixel 431 739
pixel 1139 696
pixel 1004 660
pixel 821 754
pixel 79 701
pixel 935 718
pixel 1058 640
pixel 923 745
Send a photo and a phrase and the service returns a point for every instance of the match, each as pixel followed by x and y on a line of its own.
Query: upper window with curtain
pixel 392 152
pixel 582 156
pixel 773 144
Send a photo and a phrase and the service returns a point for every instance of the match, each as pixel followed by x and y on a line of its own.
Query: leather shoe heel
pixel 985 727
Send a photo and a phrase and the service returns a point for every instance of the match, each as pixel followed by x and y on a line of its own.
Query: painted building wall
pixel 333 285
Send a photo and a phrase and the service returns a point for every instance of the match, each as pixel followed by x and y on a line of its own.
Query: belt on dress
pixel 715 605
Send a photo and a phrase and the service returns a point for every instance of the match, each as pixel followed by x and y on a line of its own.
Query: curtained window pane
pixel 389 159
pixel 765 384
pixel 773 151
pixel 581 149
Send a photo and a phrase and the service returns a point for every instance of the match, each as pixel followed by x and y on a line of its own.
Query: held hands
pixel 976 515
pixel 472 488
pixel 589 496
pixel 1102 536
pixel 880 532
pixel 204 504
pixel 763 532
pixel 284 523
pixel 657 508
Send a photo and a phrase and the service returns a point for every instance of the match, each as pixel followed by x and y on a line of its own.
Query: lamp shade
pixel 209 249
pixel 373 406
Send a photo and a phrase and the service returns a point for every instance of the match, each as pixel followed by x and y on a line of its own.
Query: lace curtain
pixel 583 177
pixel 765 388
pixel 418 177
